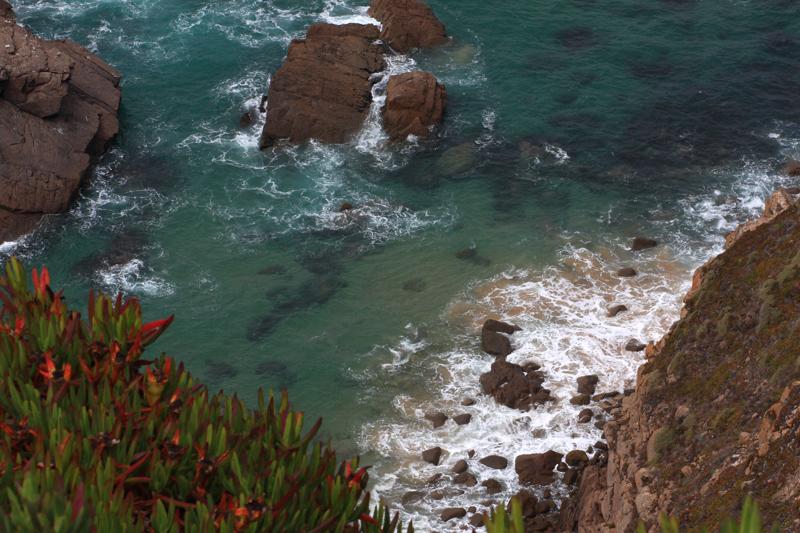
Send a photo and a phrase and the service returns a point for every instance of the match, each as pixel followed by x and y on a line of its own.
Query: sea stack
pixel 408 24
pixel 323 89
pixel 415 103
pixel 58 112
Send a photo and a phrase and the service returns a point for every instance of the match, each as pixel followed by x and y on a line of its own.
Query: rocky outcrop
pixel 415 103
pixel 58 111
pixel 323 89
pixel 408 24
pixel 515 386
pixel 716 410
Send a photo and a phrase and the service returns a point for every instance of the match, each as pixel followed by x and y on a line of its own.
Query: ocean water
pixel 572 126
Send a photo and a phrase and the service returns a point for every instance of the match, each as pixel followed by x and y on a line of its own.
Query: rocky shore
pixel 323 90
pixel 58 114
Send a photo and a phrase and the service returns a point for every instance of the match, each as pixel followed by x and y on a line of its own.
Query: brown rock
pixel 432 455
pixel 495 343
pixel 453 512
pixel 246 120
pixel 323 89
pixel 512 386
pixel 580 399
pixel 58 110
pixel 466 402
pixel 415 103
pixel 492 486
pixel 634 345
pixel 792 168
pixel 6 11
pixel 501 327
pixel 408 24
pixel 585 416
pixel 465 478
pixel 476 520
pixel 495 461
pixel 537 468
pixel 616 309
pixel 463 419
pixel 643 243
pixel 576 458
pixel 588 384
pixel 460 467
pixel 437 419
pixel 412 497
pixel 627 272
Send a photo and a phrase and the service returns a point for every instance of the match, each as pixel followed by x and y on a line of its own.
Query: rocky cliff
pixel 716 411
pixel 58 111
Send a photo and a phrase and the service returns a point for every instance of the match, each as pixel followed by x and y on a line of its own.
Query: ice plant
pixel 94 437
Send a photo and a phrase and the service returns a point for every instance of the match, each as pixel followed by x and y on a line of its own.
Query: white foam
pixel 132 278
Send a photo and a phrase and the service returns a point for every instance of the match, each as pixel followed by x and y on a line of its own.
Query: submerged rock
pixel 323 89
pixel 415 103
pixel 462 419
pixel 626 272
pixel 408 24
pixel 456 160
pixel 437 419
pixel 58 111
pixel 643 243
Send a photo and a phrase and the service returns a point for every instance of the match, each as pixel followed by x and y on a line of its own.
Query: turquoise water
pixel 572 126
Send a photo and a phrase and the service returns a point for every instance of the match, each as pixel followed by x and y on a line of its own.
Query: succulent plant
pixel 95 437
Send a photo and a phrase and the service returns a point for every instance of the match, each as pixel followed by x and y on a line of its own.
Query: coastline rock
pixel 323 89
pixel 462 419
pixel 465 478
pixel 512 386
pixel 643 243
pixel 627 272
pixel 494 461
pixel 493 341
pixel 407 24
pixel 432 455
pixel 460 467
pixel 687 422
pixel 634 345
pixel 453 512
pixel 585 416
pixel 792 168
pixel 437 419
pixel 537 468
pixel 58 112
pixel 616 309
pixel 492 486
pixel 776 204
pixel 415 103
pixel 412 497
pixel 576 458
pixel 588 384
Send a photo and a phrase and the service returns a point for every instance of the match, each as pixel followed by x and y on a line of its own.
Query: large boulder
pixel 323 90
pixel 415 103
pixel 492 339
pixel 514 386
pixel 58 111
pixel 537 468
pixel 408 24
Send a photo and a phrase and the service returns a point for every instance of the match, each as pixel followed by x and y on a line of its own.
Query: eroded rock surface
pixel 408 24
pixel 323 89
pixel 58 111
pixel 415 103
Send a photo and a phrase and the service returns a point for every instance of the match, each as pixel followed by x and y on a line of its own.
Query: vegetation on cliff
pixel 94 437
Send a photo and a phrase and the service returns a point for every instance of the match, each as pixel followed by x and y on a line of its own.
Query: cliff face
pixel 58 110
pixel 716 412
